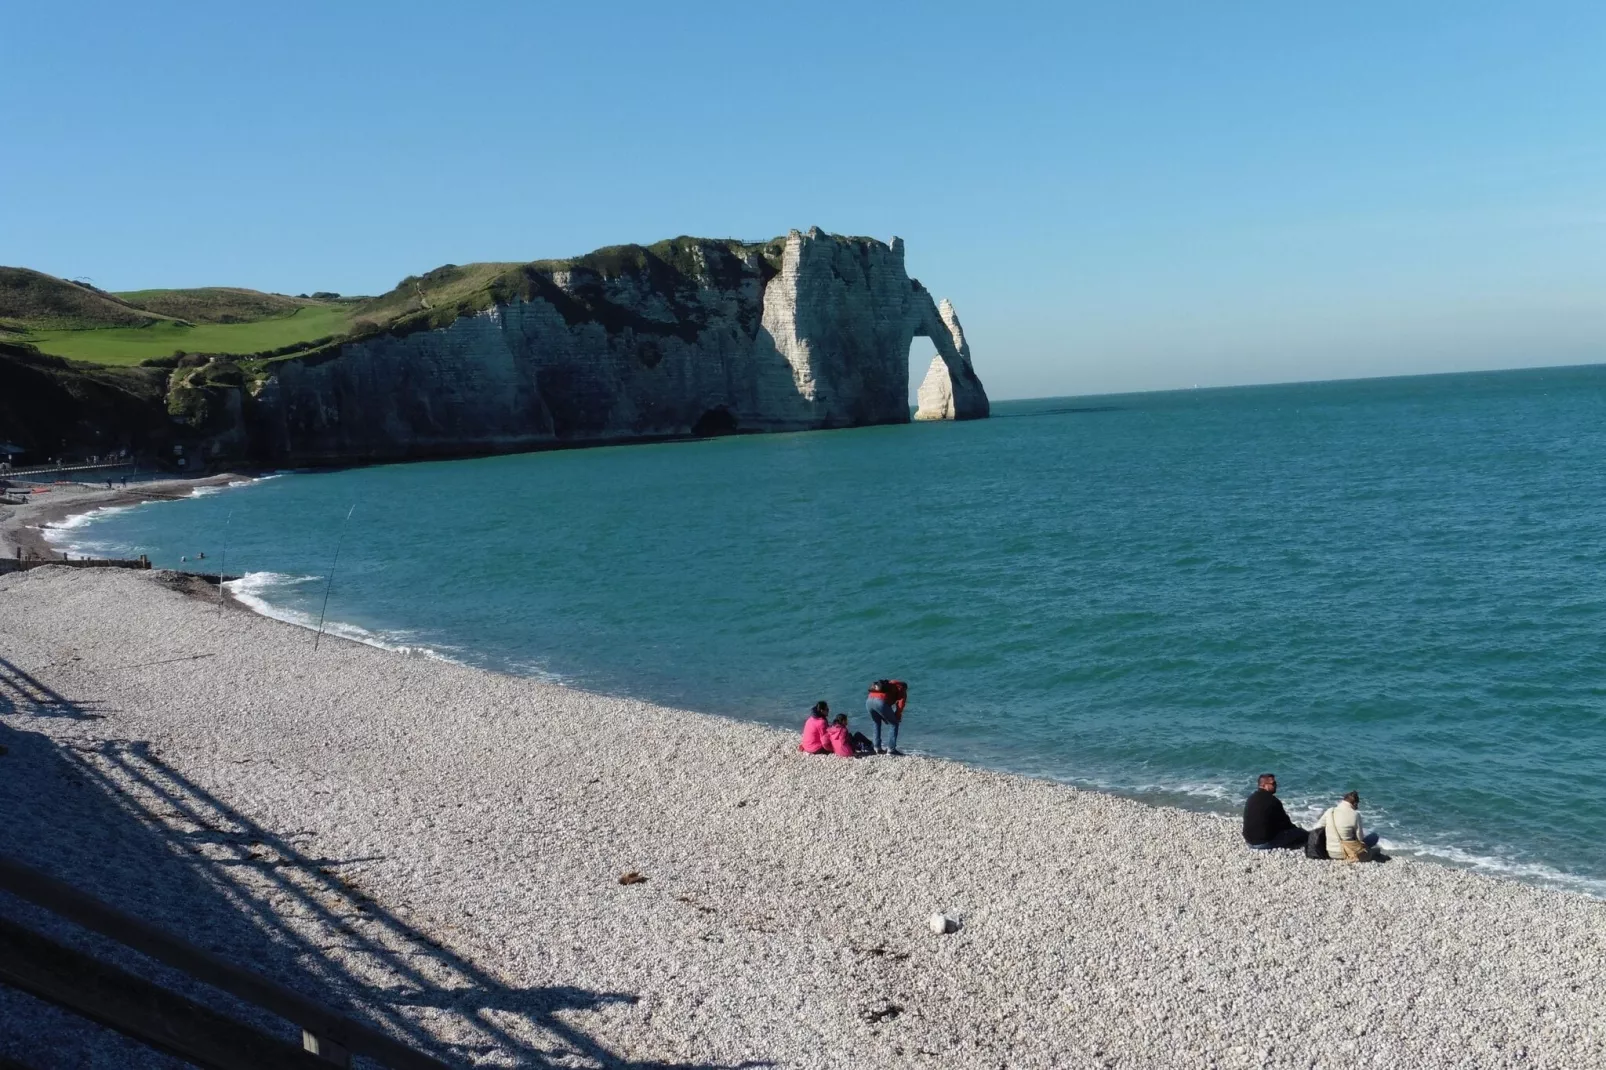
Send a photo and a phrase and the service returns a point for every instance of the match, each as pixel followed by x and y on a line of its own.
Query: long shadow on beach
pixel 21 693
pixel 110 818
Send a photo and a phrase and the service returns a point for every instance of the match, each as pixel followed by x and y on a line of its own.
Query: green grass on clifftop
pixel 130 345
pixel 76 320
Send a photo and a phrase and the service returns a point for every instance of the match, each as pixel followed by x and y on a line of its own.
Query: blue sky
pixel 1115 197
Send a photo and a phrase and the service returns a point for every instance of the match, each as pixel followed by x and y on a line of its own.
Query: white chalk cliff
pixel 950 390
pixel 688 337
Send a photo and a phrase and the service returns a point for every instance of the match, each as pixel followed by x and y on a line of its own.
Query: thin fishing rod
pixel 223 563
pixel 331 583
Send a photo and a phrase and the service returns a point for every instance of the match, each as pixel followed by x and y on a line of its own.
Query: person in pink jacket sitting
pixel 845 744
pixel 814 731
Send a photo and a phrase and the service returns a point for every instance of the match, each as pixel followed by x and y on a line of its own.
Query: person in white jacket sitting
pixel 1343 825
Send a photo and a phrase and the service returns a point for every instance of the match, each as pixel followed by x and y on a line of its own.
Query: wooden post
pixel 327 1050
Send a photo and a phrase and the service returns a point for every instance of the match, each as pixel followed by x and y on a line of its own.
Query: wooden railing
pixel 48 469
pixel 163 1019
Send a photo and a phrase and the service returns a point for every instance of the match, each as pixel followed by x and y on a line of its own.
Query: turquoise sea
pixel 1390 585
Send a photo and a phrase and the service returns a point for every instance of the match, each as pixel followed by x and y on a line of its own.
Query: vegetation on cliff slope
pixel 31 300
pixel 223 304
pixel 75 320
pixel 202 391
pixel 672 267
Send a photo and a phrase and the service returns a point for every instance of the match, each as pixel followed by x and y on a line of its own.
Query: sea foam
pixel 252 591
pixel 70 535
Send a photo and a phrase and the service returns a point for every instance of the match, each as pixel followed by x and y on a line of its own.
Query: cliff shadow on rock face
pixel 52 406
pixel 649 345
pixel 438 392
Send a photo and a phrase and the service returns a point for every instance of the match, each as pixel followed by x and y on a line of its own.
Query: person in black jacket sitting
pixel 1266 824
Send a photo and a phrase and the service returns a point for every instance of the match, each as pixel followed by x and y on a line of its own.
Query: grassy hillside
pixel 32 300
pixel 69 319
pixel 218 304
pixel 445 287
pixel 130 345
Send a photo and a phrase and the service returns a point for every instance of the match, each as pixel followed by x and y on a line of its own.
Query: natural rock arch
pixel 838 320
pixel 951 390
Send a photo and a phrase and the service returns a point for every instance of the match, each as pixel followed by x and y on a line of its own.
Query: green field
pixel 130 345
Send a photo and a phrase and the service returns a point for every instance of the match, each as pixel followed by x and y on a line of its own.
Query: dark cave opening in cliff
pixel 715 422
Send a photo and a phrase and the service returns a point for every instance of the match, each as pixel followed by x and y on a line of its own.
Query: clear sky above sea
pixel 1115 196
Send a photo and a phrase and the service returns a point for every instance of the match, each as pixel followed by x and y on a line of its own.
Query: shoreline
pixel 29 526
pixel 22 526
pixel 478 824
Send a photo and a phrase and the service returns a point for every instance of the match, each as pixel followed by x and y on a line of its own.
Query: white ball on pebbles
pixel 942 923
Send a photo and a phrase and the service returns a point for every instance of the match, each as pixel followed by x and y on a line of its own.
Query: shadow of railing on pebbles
pixel 21 693
pixel 112 819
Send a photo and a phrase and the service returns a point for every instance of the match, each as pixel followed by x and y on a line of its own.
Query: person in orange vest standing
pixel 885 705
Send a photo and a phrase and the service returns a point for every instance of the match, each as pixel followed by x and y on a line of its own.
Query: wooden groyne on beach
pixel 22 564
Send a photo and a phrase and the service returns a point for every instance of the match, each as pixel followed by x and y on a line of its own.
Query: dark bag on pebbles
pixel 1316 843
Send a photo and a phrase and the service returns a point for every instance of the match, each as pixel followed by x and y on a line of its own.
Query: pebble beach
pixel 439 850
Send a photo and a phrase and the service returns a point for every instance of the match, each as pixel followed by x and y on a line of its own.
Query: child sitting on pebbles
pixel 844 745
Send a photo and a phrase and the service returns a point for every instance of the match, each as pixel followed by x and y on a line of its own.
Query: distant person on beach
pixel 1346 839
pixel 1266 823
pixel 814 741
pixel 845 744
pixel 885 705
